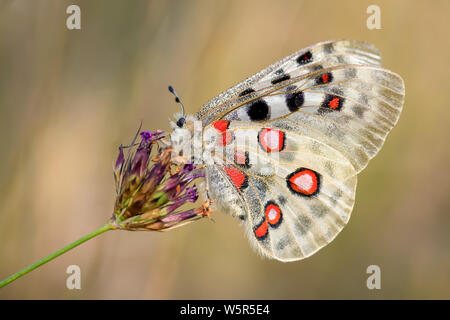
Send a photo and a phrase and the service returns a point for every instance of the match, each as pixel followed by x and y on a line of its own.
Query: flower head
pixel 151 189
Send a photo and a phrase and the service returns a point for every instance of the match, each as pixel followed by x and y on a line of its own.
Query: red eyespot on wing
pixel 324 78
pixel 305 58
pixel 334 103
pixel 221 125
pixel 261 230
pixel 304 182
pixel 273 214
pixel 238 178
pixel 271 140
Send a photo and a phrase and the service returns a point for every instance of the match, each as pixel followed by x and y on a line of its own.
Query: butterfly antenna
pixel 177 99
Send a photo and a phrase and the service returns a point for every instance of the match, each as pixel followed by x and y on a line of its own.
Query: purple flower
pixel 189 195
pixel 150 188
pixel 188 167
pixel 140 161
pixel 146 136
pixel 120 158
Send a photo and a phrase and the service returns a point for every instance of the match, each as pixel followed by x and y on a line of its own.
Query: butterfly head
pixel 180 122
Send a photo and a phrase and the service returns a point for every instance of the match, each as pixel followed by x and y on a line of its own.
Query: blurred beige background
pixel 69 98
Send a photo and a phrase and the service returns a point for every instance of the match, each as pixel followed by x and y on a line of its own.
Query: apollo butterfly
pixel 282 149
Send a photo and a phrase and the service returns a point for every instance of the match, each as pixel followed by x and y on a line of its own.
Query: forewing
pixel 334 91
pixel 304 61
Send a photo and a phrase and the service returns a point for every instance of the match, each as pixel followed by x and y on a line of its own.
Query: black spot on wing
pixel 258 110
pixel 246 91
pixel 305 58
pixel 295 100
pixel 279 79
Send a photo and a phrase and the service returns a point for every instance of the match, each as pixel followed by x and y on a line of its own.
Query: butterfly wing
pixel 304 61
pixel 294 136
pixel 294 193
pixel 334 89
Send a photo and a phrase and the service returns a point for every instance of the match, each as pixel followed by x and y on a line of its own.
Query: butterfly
pixel 282 149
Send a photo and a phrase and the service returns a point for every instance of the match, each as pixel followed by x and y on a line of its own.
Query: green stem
pixel 55 254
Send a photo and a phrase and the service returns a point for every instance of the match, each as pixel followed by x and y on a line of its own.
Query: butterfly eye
pixel 180 122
